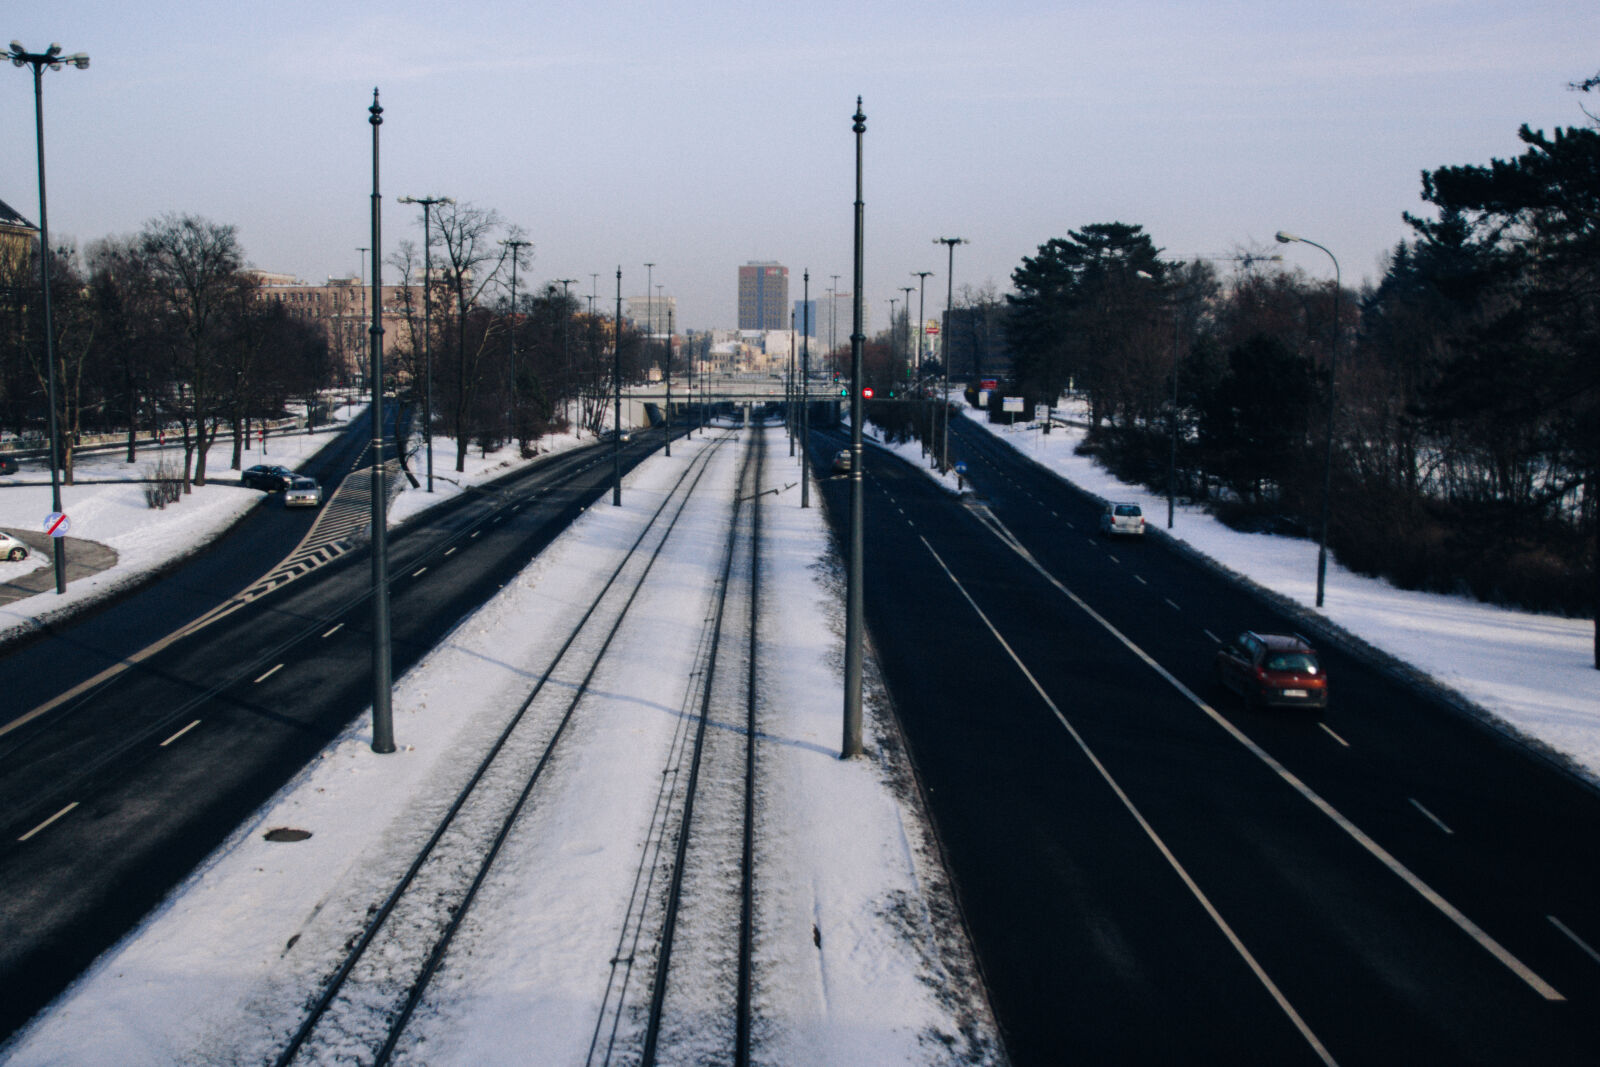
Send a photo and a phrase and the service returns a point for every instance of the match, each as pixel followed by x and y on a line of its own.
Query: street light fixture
pixel 51 57
pixel 1327 461
pixel 516 245
pixel 427 203
pixel 944 337
pixel 566 353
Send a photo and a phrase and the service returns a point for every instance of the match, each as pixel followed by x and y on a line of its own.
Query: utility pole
pixel 805 395
pixel 616 389
pixel 855 601
pixel 382 678
pixel 949 300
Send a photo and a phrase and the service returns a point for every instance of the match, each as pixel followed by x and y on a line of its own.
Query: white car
pixel 11 548
pixel 302 492
pixel 1122 520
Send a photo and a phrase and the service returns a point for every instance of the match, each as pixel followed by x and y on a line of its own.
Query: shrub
pixel 163 484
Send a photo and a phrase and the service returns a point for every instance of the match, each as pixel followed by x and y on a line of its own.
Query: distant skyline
pixel 701 137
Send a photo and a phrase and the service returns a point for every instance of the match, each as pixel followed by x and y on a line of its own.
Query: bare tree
pixel 193 266
pixel 470 262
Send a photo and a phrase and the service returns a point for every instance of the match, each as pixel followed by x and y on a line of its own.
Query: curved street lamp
pixel 944 393
pixel 51 57
pixel 1327 462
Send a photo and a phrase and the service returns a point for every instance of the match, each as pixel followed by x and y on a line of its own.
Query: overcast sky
pixel 700 136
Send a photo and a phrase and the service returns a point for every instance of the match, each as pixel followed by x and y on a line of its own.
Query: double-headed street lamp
pixel 1327 461
pixel 427 203
pixel 51 57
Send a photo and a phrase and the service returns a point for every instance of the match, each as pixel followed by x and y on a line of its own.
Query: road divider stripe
pixel 1574 938
pixel 1400 870
pixel 1138 817
pixel 1329 731
pixel 335 630
pixel 269 674
pixel 48 821
pixel 180 733
pixel 1415 803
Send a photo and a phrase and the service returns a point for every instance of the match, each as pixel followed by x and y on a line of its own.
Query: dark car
pixel 1277 670
pixel 264 476
pixel 8 465
pixel 841 461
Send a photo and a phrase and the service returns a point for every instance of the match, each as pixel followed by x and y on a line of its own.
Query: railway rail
pixel 363 1009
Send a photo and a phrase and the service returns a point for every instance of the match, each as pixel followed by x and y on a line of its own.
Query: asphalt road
pixel 1150 872
pixel 114 795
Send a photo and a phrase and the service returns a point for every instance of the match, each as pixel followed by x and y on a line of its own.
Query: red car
pixel 1278 670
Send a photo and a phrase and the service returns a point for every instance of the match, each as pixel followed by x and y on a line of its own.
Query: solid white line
pixel 335 630
pixel 1333 735
pixel 1470 928
pixel 180 733
pixel 48 821
pixel 1149 831
pixel 1415 803
pixel 1576 940
pixel 269 674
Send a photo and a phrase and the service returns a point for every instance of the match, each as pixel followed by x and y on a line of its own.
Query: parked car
pixel 1122 520
pixel 302 493
pixel 265 476
pixel 8 465
pixel 841 461
pixel 11 548
pixel 1279 670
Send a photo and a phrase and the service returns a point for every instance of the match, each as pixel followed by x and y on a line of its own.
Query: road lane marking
pixel 1333 735
pixel 418 572
pixel 1415 803
pixel 1400 870
pixel 180 733
pixel 48 821
pixel 1211 635
pixel 1576 940
pixel 451 549
pixel 333 631
pixel 269 674
pixel 1140 580
pixel 1170 604
pixel 1149 831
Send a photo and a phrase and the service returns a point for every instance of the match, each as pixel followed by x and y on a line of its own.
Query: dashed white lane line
pixel 269 674
pixel 1169 602
pixel 180 733
pixel 418 572
pixel 48 821
pixel 1415 803
pixel 451 549
pixel 1329 731
pixel 333 631
pixel 1140 580
pixel 1574 938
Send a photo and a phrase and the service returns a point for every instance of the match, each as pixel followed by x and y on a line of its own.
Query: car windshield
pixel 1298 662
pixel 304 483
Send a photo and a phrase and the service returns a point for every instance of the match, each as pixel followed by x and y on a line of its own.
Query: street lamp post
pixel 805 395
pixel 908 290
pixel 382 675
pixel 667 414
pixel 1327 461
pixel 922 318
pixel 566 352
pixel 616 388
pixel 516 245
pixel 427 203
pixel 855 595
pixel 51 57
pixel 944 337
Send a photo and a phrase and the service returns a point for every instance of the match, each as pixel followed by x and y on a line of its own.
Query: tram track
pixel 365 1004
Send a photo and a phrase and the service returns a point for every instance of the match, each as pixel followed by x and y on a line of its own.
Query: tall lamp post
pixel 922 277
pixel 616 388
pixel 51 57
pixel 944 337
pixel 805 395
pixel 516 245
pixel 427 203
pixel 382 677
pixel 854 597
pixel 1327 461
pixel 908 290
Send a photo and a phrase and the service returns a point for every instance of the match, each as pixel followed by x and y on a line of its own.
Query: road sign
pixel 961 468
pixel 56 524
pixel 1011 403
pixel 931 329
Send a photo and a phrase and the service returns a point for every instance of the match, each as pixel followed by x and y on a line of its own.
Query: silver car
pixel 11 548
pixel 1122 520
pixel 303 492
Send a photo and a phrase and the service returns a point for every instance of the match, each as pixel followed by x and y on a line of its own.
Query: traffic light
pixel 844 391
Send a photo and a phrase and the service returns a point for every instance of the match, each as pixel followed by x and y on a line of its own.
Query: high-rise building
pixel 805 317
pixel 763 296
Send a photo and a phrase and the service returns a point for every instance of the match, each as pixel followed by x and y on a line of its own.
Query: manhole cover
pixel 287 833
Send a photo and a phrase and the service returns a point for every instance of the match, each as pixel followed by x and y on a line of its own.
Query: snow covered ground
pixel 209 976
pixel 860 958
pixel 1535 673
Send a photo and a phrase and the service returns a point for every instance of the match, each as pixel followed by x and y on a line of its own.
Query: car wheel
pixel 16 554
